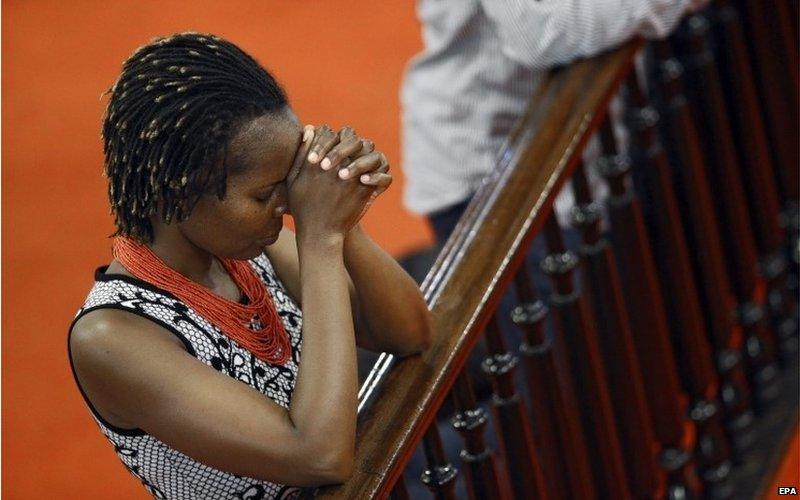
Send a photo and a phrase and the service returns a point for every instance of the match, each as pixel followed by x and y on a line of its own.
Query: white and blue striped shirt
pixel 481 63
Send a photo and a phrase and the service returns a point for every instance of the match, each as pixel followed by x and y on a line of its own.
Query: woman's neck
pixel 185 257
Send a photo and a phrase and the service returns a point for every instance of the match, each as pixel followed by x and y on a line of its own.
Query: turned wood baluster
pixel 679 290
pixel 790 217
pixel 511 418
pixel 573 322
pixel 722 163
pixel 781 117
pixel 556 418
pixel 785 17
pixel 440 476
pixel 757 172
pixel 779 16
pixel 776 92
pixel 780 102
pixel 648 320
pixel 603 288
pixel 470 422
pixel 692 188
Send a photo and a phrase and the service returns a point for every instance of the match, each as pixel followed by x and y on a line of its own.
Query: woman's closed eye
pixel 265 193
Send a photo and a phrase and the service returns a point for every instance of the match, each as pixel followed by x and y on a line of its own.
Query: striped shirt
pixel 481 63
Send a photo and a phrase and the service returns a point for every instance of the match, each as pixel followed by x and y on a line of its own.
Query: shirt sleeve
pixel 543 33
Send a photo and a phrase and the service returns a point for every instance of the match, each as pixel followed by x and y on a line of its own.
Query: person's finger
pixel 300 156
pixel 363 165
pixel 367 146
pixel 347 147
pixel 347 132
pixel 326 139
pixel 377 179
pixel 385 167
pixel 366 177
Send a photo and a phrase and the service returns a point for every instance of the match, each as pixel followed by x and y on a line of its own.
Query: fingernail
pixel 308 133
pixel 313 157
pixel 326 164
pixel 364 178
pixel 343 173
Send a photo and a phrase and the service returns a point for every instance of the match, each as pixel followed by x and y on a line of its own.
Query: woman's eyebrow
pixel 266 185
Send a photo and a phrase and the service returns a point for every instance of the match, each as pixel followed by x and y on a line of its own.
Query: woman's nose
pixel 280 210
pixel 282 205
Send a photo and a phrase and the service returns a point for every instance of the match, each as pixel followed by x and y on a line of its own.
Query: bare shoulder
pixel 122 327
pixel 97 345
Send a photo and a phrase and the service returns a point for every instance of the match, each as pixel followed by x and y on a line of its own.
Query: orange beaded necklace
pixel 270 343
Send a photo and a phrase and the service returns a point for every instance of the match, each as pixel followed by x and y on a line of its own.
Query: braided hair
pixel 166 128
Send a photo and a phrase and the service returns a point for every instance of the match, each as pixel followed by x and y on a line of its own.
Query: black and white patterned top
pixel 164 471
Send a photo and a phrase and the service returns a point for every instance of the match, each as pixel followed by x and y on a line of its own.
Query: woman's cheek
pixel 255 218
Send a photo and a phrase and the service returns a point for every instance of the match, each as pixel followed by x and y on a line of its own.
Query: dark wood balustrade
pixel 693 192
pixel 556 418
pixel 670 336
pixel 603 285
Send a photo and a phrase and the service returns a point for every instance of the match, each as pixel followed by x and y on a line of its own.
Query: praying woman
pixel 217 350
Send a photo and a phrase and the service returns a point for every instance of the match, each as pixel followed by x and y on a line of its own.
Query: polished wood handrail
pixel 468 278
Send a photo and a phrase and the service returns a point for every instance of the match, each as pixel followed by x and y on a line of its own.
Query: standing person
pixel 482 61
pixel 187 349
pixel 461 96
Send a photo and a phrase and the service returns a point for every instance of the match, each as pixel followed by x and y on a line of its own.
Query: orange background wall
pixel 341 63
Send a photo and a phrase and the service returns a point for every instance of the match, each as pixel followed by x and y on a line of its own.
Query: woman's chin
pixel 252 251
pixel 248 254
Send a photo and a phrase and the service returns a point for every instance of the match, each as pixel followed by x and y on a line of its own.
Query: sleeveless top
pixel 165 472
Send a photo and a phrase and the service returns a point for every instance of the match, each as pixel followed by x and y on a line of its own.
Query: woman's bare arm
pixel 392 314
pixel 325 397
pixel 391 319
pixel 132 368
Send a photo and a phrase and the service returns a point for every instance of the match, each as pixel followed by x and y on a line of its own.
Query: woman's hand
pixel 347 154
pixel 322 202
pixel 355 157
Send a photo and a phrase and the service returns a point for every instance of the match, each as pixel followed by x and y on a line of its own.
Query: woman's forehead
pixel 263 148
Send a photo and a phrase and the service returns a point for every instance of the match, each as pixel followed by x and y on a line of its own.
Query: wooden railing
pixel 662 360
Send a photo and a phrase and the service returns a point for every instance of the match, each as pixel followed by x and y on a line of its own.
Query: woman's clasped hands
pixel 334 179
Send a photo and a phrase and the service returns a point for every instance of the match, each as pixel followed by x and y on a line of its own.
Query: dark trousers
pixel 444 221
